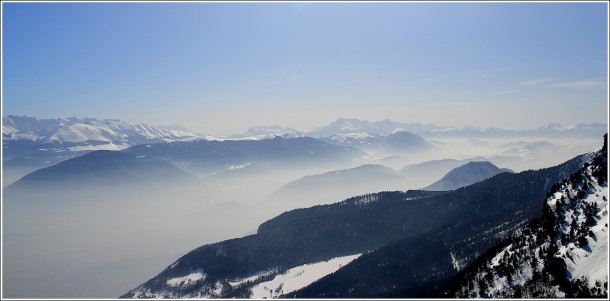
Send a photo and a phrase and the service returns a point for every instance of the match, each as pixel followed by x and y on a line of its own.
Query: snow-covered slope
pixel 564 253
pixel 298 277
pixel 467 174
pixel 260 285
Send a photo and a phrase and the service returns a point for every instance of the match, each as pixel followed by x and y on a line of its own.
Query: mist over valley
pixel 116 217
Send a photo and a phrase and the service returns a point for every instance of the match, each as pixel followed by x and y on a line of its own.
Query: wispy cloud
pixel 590 60
pixel 503 92
pixel 475 72
pixel 535 82
pixel 582 84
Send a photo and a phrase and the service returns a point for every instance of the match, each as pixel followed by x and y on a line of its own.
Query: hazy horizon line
pixel 274 124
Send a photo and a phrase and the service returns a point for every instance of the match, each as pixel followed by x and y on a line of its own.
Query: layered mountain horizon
pixel 391 244
pixel 16 127
pixel 320 205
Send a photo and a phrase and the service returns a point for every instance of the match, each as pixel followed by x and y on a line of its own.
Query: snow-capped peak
pixel 85 130
pixel 398 130
pixel 268 132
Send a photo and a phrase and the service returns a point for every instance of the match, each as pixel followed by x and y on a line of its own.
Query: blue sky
pixel 219 68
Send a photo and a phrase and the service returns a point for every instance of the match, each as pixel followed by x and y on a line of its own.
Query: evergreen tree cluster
pixel 531 263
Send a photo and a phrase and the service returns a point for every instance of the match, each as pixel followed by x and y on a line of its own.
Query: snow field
pixel 187 280
pixel 299 277
pixel 592 261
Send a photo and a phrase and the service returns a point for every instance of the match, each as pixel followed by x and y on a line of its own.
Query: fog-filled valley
pixel 98 223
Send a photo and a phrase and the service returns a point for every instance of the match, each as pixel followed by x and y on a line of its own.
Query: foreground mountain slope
pixel 563 253
pixel 465 175
pixel 424 265
pixel 460 224
pixel 294 238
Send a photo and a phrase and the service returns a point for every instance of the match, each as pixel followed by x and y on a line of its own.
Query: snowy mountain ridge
pixel 343 126
pixel 33 143
pixel 564 253
pixel 81 130
pixel 398 140
pixel 264 132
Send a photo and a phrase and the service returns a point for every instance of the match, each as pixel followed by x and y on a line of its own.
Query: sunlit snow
pixel 187 280
pixel 592 261
pixel 299 277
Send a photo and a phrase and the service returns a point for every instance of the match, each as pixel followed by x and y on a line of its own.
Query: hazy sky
pixel 219 68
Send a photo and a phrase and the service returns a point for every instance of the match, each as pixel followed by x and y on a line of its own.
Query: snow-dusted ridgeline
pixel 562 254
pixel 78 130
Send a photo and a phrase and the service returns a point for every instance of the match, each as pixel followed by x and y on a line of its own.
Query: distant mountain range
pixel 398 141
pixel 263 131
pixel 180 160
pixel 386 126
pixel 29 141
pixel 335 185
pixel 344 126
pixel 91 131
pixel 88 131
pixel 211 156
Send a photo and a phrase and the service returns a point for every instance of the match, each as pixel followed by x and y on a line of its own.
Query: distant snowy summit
pixel 344 127
pixel 268 132
pixel 351 127
pixel 52 140
pixel 79 130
